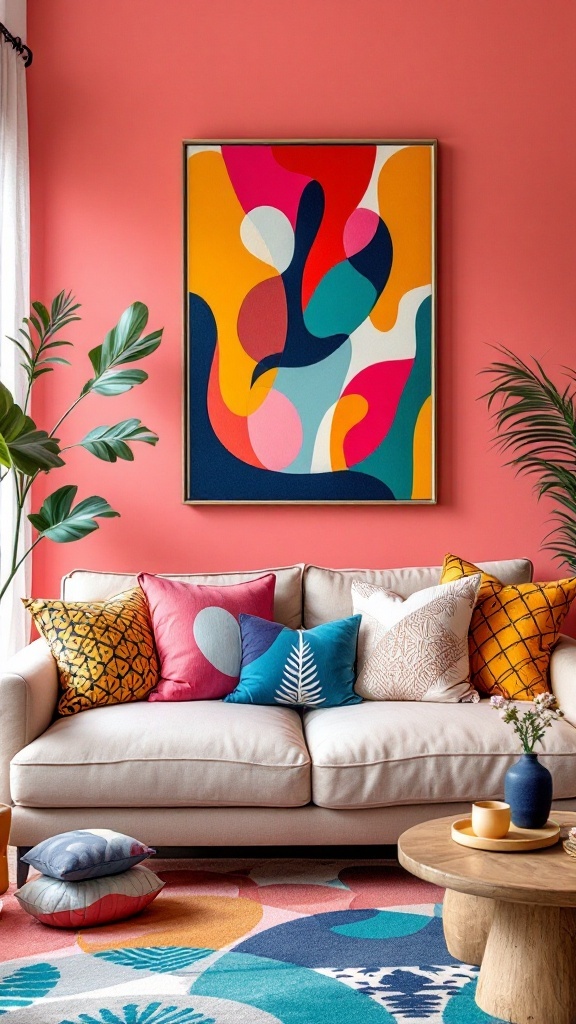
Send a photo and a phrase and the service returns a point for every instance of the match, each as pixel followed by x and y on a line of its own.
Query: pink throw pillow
pixel 197 633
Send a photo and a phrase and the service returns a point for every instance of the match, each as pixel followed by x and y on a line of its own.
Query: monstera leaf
pixel 112 443
pixel 58 520
pixel 22 446
pixel 123 344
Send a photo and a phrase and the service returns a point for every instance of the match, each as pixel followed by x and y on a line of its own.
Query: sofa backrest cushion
pixel 87 585
pixel 327 592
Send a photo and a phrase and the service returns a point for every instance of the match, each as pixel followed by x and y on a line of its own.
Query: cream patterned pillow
pixel 415 649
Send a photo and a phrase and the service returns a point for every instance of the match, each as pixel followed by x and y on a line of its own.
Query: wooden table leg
pixel 528 974
pixel 467 921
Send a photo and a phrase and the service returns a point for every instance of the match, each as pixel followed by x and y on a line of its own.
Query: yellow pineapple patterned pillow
pixel 104 649
pixel 513 631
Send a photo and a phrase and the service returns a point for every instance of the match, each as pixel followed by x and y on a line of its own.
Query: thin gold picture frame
pixel 187 361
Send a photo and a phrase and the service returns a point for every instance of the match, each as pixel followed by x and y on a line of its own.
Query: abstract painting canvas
pixel 309 311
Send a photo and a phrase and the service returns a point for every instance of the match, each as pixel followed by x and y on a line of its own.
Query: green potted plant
pixel 536 424
pixel 26 450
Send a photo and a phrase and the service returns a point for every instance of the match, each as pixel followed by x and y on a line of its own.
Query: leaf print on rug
pixel 27 985
pixel 300 682
pixel 154 1013
pixel 162 961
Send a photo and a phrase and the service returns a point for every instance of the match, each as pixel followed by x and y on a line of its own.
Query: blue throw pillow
pixel 86 853
pixel 309 668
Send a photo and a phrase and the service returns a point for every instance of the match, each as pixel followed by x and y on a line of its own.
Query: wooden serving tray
pixel 517 840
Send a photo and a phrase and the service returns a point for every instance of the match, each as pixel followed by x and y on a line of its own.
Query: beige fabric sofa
pixel 214 774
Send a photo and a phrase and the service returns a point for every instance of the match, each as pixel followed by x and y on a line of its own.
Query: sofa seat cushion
pixel 200 754
pixel 378 754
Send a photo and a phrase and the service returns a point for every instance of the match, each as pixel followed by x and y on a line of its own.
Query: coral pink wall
pixel 114 88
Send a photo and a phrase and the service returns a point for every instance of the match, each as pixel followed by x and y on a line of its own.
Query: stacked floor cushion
pixel 89 877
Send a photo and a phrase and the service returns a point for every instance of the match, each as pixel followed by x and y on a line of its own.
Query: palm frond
pixel 535 425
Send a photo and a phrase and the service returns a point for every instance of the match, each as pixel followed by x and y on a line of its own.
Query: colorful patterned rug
pixel 239 942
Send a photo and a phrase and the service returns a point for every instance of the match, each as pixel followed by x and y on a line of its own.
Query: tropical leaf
pixel 153 1013
pixel 300 681
pixel 115 382
pixel 536 425
pixel 123 344
pixel 59 521
pixel 22 445
pixel 26 985
pixel 44 324
pixel 112 443
pixel 161 960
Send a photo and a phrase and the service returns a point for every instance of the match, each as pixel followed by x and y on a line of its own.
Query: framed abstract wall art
pixel 310 321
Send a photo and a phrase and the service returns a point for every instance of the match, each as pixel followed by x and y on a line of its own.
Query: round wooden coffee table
pixel 512 913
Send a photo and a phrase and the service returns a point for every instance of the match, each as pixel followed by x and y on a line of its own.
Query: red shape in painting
pixel 230 429
pixel 263 319
pixel 259 180
pixel 344 173
pixel 381 385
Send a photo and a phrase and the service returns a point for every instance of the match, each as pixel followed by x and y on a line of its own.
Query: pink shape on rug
pixel 372 888
pixel 308 899
pixel 275 431
pixel 272 917
pixel 22 935
pixel 359 230
pixel 381 385
pixel 259 180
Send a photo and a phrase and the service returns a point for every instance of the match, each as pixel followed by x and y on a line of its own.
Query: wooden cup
pixel 5 818
pixel 490 819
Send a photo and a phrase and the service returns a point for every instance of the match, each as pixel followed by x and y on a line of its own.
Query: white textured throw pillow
pixel 415 649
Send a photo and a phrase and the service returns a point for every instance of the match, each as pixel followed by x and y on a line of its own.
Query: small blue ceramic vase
pixel 528 790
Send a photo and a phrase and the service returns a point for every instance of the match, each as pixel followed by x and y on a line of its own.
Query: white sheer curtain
pixel 14 294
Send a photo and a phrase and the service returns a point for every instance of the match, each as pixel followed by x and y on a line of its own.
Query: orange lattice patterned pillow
pixel 513 630
pixel 104 649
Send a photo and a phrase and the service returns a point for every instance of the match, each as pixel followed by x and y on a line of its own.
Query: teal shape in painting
pixel 384 925
pixel 292 994
pixel 340 303
pixel 393 460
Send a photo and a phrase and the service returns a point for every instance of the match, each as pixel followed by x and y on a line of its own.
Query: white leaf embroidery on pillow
pixel 300 680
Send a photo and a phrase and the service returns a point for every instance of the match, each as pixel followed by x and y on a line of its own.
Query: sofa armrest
pixel 28 696
pixel 563 676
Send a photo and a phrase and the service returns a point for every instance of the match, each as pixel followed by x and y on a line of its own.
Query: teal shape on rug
pixel 384 925
pixel 463 1009
pixel 26 985
pixel 154 1013
pixel 160 961
pixel 295 995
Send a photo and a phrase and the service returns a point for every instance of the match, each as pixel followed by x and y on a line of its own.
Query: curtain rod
pixel 15 41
